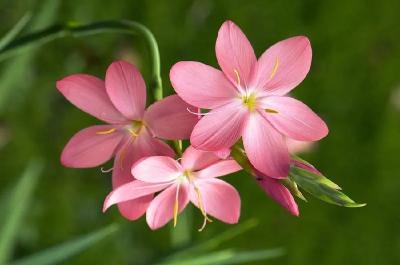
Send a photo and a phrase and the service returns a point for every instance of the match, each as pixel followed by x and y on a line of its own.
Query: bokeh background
pixel 354 84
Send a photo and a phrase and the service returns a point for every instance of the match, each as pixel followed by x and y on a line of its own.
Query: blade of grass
pixel 46 35
pixel 10 77
pixel 67 250
pixel 16 206
pixel 216 241
pixel 225 257
pixel 12 33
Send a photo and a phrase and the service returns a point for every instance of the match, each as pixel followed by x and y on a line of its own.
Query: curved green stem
pixel 76 30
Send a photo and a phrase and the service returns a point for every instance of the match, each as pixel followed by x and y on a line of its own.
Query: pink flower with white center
pixel 193 179
pixel 248 99
pixel 131 133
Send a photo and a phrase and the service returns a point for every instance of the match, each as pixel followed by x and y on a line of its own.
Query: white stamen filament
pixel 106 170
pixel 197 113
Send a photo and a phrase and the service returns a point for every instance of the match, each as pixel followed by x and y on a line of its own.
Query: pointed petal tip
pixel 66 162
pixel 228 22
pixel 295 211
pixel 151 222
pixel 302 38
pixel 106 203
pixel 234 220
pixel 126 89
pixel 323 131
pixel 59 84
pixel 152 226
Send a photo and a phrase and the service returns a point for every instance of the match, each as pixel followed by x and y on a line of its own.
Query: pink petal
pixel 219 169
pixel 132 190
pixel 161 209
pixel 88 93
pixel 134 149
pixel 170 119
pixel 234 53
pixel 280 194
pixel 134 209
pixel 89 148
pixel 224 153
pixel 265 147
pixel 291 60
pixel 220 128
pixel 306 166
pixel 201 85
pixel 126 88
pixel 129 153
pixel 296 147
pixel 194 159
pixel 294 119
pixel 150 146
pixel 156 169
pixel 219 199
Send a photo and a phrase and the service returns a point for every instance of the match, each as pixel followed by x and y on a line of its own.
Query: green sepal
pixel 293 188
pixel 321 187
pixel 239 155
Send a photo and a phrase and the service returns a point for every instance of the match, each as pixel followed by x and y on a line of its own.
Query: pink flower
pixel 247 99
pixel 131 132
pixel 193 179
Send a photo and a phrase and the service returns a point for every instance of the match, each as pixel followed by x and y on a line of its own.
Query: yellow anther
pixel 274 69
pixel 106 132
pixel 271 111
pixel 176 206
pixel 237 77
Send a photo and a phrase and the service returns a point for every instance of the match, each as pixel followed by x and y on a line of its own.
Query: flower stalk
pixel 73 29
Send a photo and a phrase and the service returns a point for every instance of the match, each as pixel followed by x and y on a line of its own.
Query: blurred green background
pixel 354 84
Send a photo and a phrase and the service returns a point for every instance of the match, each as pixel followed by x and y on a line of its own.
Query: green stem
pixel 239 155
pixel 71 29
pixel 178 147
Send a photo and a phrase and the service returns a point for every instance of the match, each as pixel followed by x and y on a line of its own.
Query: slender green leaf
pixel 76 30
pixel 18 27
pixel 321 187
pixel 11 83
pixel 67 250
pixel 226 257
pixel 216 241
pixel 15 208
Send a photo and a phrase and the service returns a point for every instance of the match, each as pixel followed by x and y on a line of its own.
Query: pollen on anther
pixel 271 111
pixel 106 132
pixel 275 69
pixel 237 77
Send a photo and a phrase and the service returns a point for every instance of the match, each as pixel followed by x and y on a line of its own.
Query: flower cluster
pixel 249 111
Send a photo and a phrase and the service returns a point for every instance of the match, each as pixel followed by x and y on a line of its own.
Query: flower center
pixel 187 175
pixel 249 100
pixel 135 127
